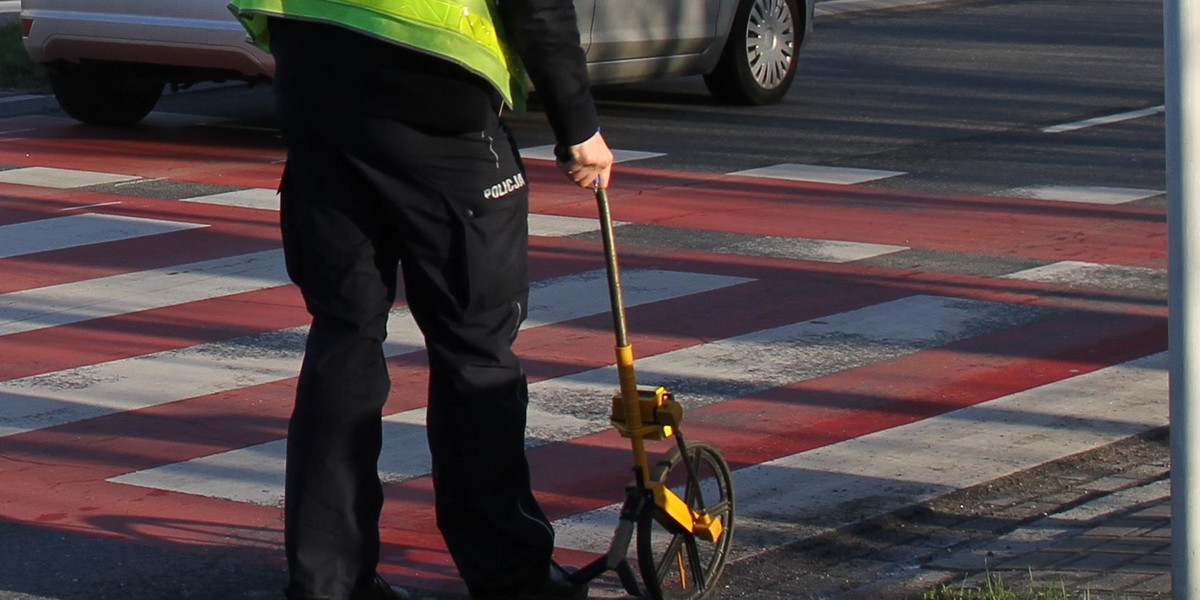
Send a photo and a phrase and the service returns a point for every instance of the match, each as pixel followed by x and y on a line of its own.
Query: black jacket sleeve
pixel 545 35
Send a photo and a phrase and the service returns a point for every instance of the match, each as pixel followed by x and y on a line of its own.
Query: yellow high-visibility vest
pixel 462 31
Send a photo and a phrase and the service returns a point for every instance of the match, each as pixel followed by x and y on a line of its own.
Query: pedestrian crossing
pixel 838 385
pixel 567 407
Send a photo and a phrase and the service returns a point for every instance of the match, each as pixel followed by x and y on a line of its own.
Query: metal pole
pixel 1180 28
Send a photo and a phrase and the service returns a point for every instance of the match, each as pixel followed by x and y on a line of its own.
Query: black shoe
pixel 382 590
pixel 555 587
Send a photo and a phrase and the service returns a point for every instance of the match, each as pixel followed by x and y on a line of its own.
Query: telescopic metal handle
pixel 615 297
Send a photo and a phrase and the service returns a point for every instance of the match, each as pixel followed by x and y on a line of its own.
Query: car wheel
pixel 759 60
pixel 100 94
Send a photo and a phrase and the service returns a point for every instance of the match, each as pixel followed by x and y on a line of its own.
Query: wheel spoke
pixel 694 495
pixel 698 570
pixel 718 508
pixel 674 548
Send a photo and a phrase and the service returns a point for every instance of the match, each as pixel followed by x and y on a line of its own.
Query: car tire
pixel 759 60
pixel 102 94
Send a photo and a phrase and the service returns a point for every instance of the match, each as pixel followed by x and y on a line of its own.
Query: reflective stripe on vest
pixel 462 31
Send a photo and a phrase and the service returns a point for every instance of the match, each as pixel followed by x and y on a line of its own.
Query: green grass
pixel 17 72
pixel 994 588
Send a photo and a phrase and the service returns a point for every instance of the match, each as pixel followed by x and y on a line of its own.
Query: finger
pixel 589 177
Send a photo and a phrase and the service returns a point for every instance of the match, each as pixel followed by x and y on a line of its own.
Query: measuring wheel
pixel 676 564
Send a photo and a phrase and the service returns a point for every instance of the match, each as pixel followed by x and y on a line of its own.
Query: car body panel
pixel 629 29
pixel 197 34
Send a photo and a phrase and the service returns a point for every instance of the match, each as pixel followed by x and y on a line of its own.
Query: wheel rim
pixel 770 42
pixel 679 566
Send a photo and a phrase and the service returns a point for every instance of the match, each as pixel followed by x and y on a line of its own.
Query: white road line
pixel 60 178
pixel 58 233
pixel 142 181
pixel 29 310
pixel 568 407
pixel 89 206
pixel 1086 194
pixel 1105 120
pixel 268 199
pixel 128 384
pixel 620 156
pixel 819 174
pixel 795 497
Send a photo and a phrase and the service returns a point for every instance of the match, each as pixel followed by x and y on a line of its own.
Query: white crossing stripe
pixel 560 226
pixel 1105 120
pixel 1075 272
pixel 268 199
pixel 819 174
pixel 620 156
pixel 575 405
pixel 830 251
pixel 871 475
pixel 128 384
pixel 255 474
pixel 264 198
pixel 1082 193
pixel 59 233
pixel 38 308
pixel 60 178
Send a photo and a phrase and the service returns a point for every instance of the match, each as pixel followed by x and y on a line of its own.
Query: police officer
pixel 390 110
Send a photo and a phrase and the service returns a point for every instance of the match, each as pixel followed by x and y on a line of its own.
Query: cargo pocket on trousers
pixel 495 250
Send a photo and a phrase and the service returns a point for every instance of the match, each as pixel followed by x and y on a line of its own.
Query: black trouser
pixel 360 194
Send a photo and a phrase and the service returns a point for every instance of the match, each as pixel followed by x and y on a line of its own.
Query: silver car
pixel 108 62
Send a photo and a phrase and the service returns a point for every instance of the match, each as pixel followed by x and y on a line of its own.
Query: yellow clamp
pixel 660 414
